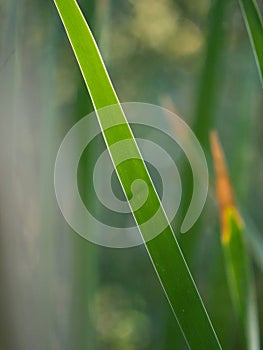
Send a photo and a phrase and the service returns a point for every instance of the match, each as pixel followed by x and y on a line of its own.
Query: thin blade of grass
pixel 164 250
pixel 254 26
pixel 210 82
pixel 237 262
pixel 255 240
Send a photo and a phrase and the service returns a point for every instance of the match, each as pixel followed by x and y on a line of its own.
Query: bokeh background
pixel 59 291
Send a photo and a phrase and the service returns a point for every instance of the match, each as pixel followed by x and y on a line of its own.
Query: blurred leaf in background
pixel 237 262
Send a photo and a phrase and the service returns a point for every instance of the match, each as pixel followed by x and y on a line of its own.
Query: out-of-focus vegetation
pixel 59 291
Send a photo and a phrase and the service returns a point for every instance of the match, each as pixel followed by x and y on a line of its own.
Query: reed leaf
pixel 254 26
pixel 164 250
pixel 237 262
pixel 255 240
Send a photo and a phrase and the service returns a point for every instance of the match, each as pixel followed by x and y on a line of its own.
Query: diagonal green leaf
pixel 254 26
pixel 164 250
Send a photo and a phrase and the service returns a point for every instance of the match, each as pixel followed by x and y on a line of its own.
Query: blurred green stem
pixel 209 87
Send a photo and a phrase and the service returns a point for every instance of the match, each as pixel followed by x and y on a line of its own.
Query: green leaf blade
pixel 237 263
pixel 163 250
pixel 241 283
pixel 254 26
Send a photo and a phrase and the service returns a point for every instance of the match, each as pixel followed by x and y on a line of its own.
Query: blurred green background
pixel 59 291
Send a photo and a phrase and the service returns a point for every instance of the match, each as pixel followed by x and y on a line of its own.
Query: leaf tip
pixel 224 190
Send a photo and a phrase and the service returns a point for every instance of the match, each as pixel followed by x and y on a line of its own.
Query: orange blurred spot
pixel 224 191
